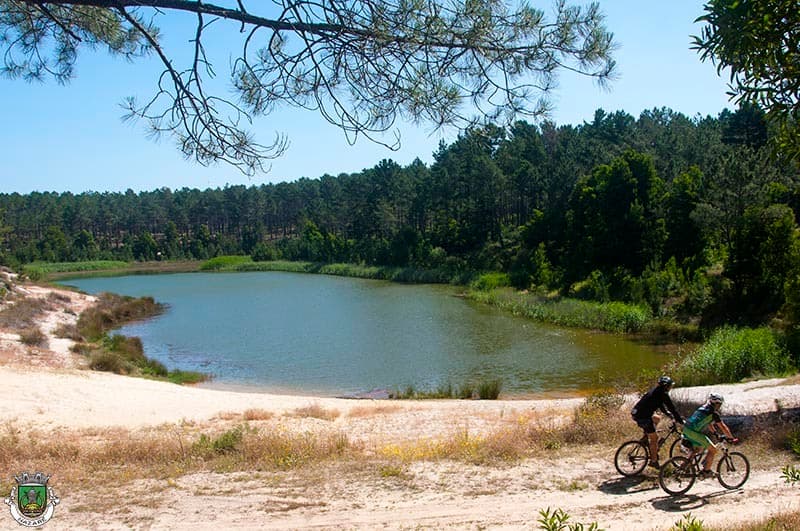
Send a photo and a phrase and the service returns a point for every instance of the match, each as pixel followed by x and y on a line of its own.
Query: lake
pixel 330 336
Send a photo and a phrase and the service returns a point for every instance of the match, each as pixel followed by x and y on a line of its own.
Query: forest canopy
pixel 688 216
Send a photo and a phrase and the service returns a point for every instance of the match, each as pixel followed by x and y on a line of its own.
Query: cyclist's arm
pixel 722 427
pixel 673 411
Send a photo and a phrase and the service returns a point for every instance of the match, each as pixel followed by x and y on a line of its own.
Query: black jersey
pixel 655 398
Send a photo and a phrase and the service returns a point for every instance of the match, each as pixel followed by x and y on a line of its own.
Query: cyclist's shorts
pixel 646 424
pixel 697 439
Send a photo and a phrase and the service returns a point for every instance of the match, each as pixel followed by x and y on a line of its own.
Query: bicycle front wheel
pixel 733 470
pixel 676 476
pixel 631 458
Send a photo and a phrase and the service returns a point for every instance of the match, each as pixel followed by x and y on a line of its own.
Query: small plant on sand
pixel 790 474
pixel 558 520
pixel 688 523
pixel 257 414
pixel 68 331
pixel 391 471
pixel 33 337
pixel 317 412
pixel 227 442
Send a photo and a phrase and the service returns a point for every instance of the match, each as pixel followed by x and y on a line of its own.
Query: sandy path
pixel 437 496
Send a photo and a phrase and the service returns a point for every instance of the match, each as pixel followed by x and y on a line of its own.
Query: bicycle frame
pixel 673 429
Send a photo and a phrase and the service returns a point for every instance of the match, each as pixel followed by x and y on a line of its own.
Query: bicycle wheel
pixel 631 458
pixel 733 470
pixel 675 447
pixel 677 475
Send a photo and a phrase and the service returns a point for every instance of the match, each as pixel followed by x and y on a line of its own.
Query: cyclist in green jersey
pixel 706 418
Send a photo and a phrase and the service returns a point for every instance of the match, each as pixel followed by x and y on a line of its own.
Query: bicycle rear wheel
pixel 631 458
pixel 677 476
pixel 733 470
pixel 675 447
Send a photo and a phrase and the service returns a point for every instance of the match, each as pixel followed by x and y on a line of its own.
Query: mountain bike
pixel 678 474
pixel 633 456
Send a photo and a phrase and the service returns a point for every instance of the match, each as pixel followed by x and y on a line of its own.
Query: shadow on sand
pixel 628 485
pixel 687 502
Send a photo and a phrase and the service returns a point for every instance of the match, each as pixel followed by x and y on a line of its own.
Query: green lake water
pixel 330 336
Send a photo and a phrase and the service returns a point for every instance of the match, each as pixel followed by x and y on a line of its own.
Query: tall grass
pixel 224 263
pixel 484 390
pixel 733 354
pixel 39 270
pixel 608 316
pixel 395 274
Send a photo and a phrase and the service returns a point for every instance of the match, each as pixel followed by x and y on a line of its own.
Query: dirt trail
pixel 433 496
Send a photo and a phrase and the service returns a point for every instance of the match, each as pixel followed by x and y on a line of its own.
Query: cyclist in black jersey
pixel 644 414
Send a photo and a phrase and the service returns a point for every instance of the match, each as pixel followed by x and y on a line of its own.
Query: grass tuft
pixel 485 390
pixel 317 412
pixel 33 337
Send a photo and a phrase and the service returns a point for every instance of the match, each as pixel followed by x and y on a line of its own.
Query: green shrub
pixel 227 442
pixel 595 287
pixel 151 367
pixel 224 263
pixel 265 252
pixel 793 441
pixel 732 354
pixel 107 361
pixel 186 377
pixel 489 281
pixel 129 348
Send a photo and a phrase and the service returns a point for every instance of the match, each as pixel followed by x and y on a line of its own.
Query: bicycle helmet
pixel 716 399
pixel 666 381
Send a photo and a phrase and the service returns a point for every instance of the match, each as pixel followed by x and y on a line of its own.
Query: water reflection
pixel 330 335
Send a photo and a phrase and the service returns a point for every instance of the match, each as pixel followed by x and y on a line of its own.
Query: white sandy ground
pixel 46 389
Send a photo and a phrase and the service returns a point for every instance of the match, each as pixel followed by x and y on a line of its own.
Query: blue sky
pixel 71 138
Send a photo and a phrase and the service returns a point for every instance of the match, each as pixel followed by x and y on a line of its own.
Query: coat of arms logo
pixel 32 502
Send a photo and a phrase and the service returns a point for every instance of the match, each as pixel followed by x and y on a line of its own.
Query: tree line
pixel 693 216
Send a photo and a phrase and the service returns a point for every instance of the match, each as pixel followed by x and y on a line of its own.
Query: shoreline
pixel 52 380
pixel 76 398
pixel 51 399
